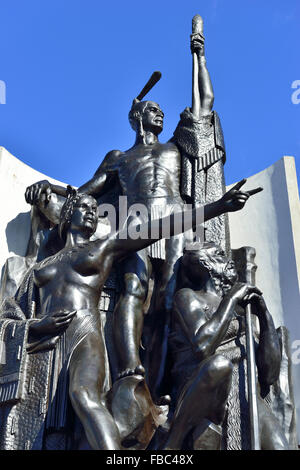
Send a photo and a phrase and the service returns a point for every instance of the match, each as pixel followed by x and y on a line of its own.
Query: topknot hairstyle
pixel 67 211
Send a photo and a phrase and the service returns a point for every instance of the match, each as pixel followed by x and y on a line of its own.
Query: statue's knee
pixel 81 397
pixel 220 368
pixel 77 396
pixel 134 286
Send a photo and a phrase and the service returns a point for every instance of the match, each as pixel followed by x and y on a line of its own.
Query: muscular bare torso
pixel 195 308
pixel 149 171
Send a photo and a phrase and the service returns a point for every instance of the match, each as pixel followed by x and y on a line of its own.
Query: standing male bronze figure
pixel 150 173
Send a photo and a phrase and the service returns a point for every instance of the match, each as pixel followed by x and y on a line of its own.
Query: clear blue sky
pixel 72 68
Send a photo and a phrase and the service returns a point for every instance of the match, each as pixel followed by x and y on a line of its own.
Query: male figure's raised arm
pixel 49 198
pixel 104 176
pixel 202 93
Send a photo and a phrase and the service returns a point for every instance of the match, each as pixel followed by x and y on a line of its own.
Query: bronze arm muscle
pixel 206 338
pixel 202 94
pixel 268 354
pixel 49 198
pixel 234 200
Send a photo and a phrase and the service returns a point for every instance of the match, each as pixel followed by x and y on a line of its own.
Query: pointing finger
pixel 61 322
pixel 239 184
pixel 37 195
pixel 48 194
pixel 64 314
pixel 254 191
pixel 65 319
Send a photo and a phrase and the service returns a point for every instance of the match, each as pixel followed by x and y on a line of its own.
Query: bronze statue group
pixel 166 368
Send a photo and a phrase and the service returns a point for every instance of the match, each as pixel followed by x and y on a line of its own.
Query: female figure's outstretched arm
pixel 121 243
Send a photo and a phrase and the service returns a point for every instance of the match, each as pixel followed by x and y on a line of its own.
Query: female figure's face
pixel 85 215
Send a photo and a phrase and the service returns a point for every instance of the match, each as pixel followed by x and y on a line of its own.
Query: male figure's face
pixel 221 264
pixel 152 118
pixel 85 215
pixel 214 260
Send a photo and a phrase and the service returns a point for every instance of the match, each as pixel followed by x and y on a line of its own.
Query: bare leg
pixel 128 317
pixel 158 322
pixel 203 397
pixel 87 376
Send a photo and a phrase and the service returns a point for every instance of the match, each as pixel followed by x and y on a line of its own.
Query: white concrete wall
pixel 15 176
pixel 270 222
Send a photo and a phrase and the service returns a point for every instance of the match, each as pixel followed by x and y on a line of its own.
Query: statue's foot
pixel 139 370
pixel 134 412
